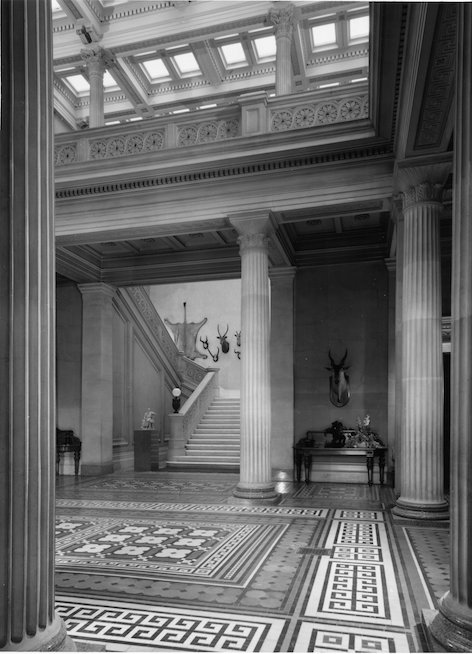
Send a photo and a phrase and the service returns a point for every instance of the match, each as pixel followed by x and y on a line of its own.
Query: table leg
pixel 76 462
pixel 381 466
pixel 369 457
pixel 307 462
pixel 298 466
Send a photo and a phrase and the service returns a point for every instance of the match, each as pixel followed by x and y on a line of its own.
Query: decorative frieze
pixel 322 113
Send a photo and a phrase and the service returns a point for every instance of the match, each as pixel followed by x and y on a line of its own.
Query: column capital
pixel 97 59
pixel 283 20
pixel 425 192
pixel 97 288
pixel 253 222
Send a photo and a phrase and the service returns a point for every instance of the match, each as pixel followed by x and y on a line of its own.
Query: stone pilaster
pixel 281 367
pixel 421 491
pixel 255 483
pixel 283 20
pixel 452 626
pixel 28 621
pixel 97 379
pixel 96 60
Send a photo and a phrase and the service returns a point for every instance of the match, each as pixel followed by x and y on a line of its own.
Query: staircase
pixel 215 442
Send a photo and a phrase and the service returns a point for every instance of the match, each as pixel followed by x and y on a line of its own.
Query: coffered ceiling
pixel 169 58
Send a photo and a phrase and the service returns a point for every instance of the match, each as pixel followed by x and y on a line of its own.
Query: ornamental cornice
pixel 222 172
pixel 247 74
pixel 138 10
pixel 183 86
pixel 63 90
pixel 338 56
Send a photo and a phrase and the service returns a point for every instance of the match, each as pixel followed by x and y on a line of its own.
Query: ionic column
pixel 283 21
pixel 255 483
pixel 97 379
pixel 95 59
pixel 421 489
pixel 28 620
pixel 281 367
pixel 452 626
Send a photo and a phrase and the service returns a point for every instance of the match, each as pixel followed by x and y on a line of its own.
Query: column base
pixel 254 496
pixel 419 511
pixel 52 639
pixel 450 628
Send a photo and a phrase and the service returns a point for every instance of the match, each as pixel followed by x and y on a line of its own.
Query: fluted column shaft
pixel 283 20
pixel 96 64
pixel 452 627
pixel 255 468
pixel 421 490
pixel 97 378
pixel 27 348
pixel 281 367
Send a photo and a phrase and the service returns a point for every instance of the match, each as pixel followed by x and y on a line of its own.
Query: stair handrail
pixel 183 423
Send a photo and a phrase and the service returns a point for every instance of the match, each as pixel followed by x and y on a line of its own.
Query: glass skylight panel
pixel 265 47
pixel 156 69
pixel 108 81
pixel 78 83
pixel 233 54
pixel 359 27
pixel 324 34
pixel 186 63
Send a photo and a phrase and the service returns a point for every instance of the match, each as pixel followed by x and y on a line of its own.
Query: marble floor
pixel 167 562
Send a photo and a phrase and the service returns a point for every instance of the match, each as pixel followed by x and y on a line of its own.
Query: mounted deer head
pixel 206 346
pixel 223 340
pixel 339 391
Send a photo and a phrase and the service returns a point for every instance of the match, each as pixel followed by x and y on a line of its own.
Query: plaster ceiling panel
pixel 111 248
pixel 199 240
pixel 360 221
pixel 153 245
pixel 314 226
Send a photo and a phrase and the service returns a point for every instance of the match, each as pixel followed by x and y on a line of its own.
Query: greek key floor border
pixel 351 581
pixel 160 628
pixel 177 507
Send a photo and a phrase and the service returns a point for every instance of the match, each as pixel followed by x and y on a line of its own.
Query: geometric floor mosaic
pixel 211 576
pixel 226 552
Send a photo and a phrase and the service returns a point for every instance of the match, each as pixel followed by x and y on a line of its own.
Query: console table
pixel 66 441
pixel 304 454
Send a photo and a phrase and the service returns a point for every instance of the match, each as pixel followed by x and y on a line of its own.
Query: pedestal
pixel 150 451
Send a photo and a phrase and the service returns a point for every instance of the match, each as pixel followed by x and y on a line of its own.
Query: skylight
pixel 155 69
pixel 324 34
pixel 233 54
pixel 265 48
pixel 78 83
pixel 186 63
pixel 359 27
pixel 108 81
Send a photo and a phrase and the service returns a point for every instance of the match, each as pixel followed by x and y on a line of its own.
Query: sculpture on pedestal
pixel 148 419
